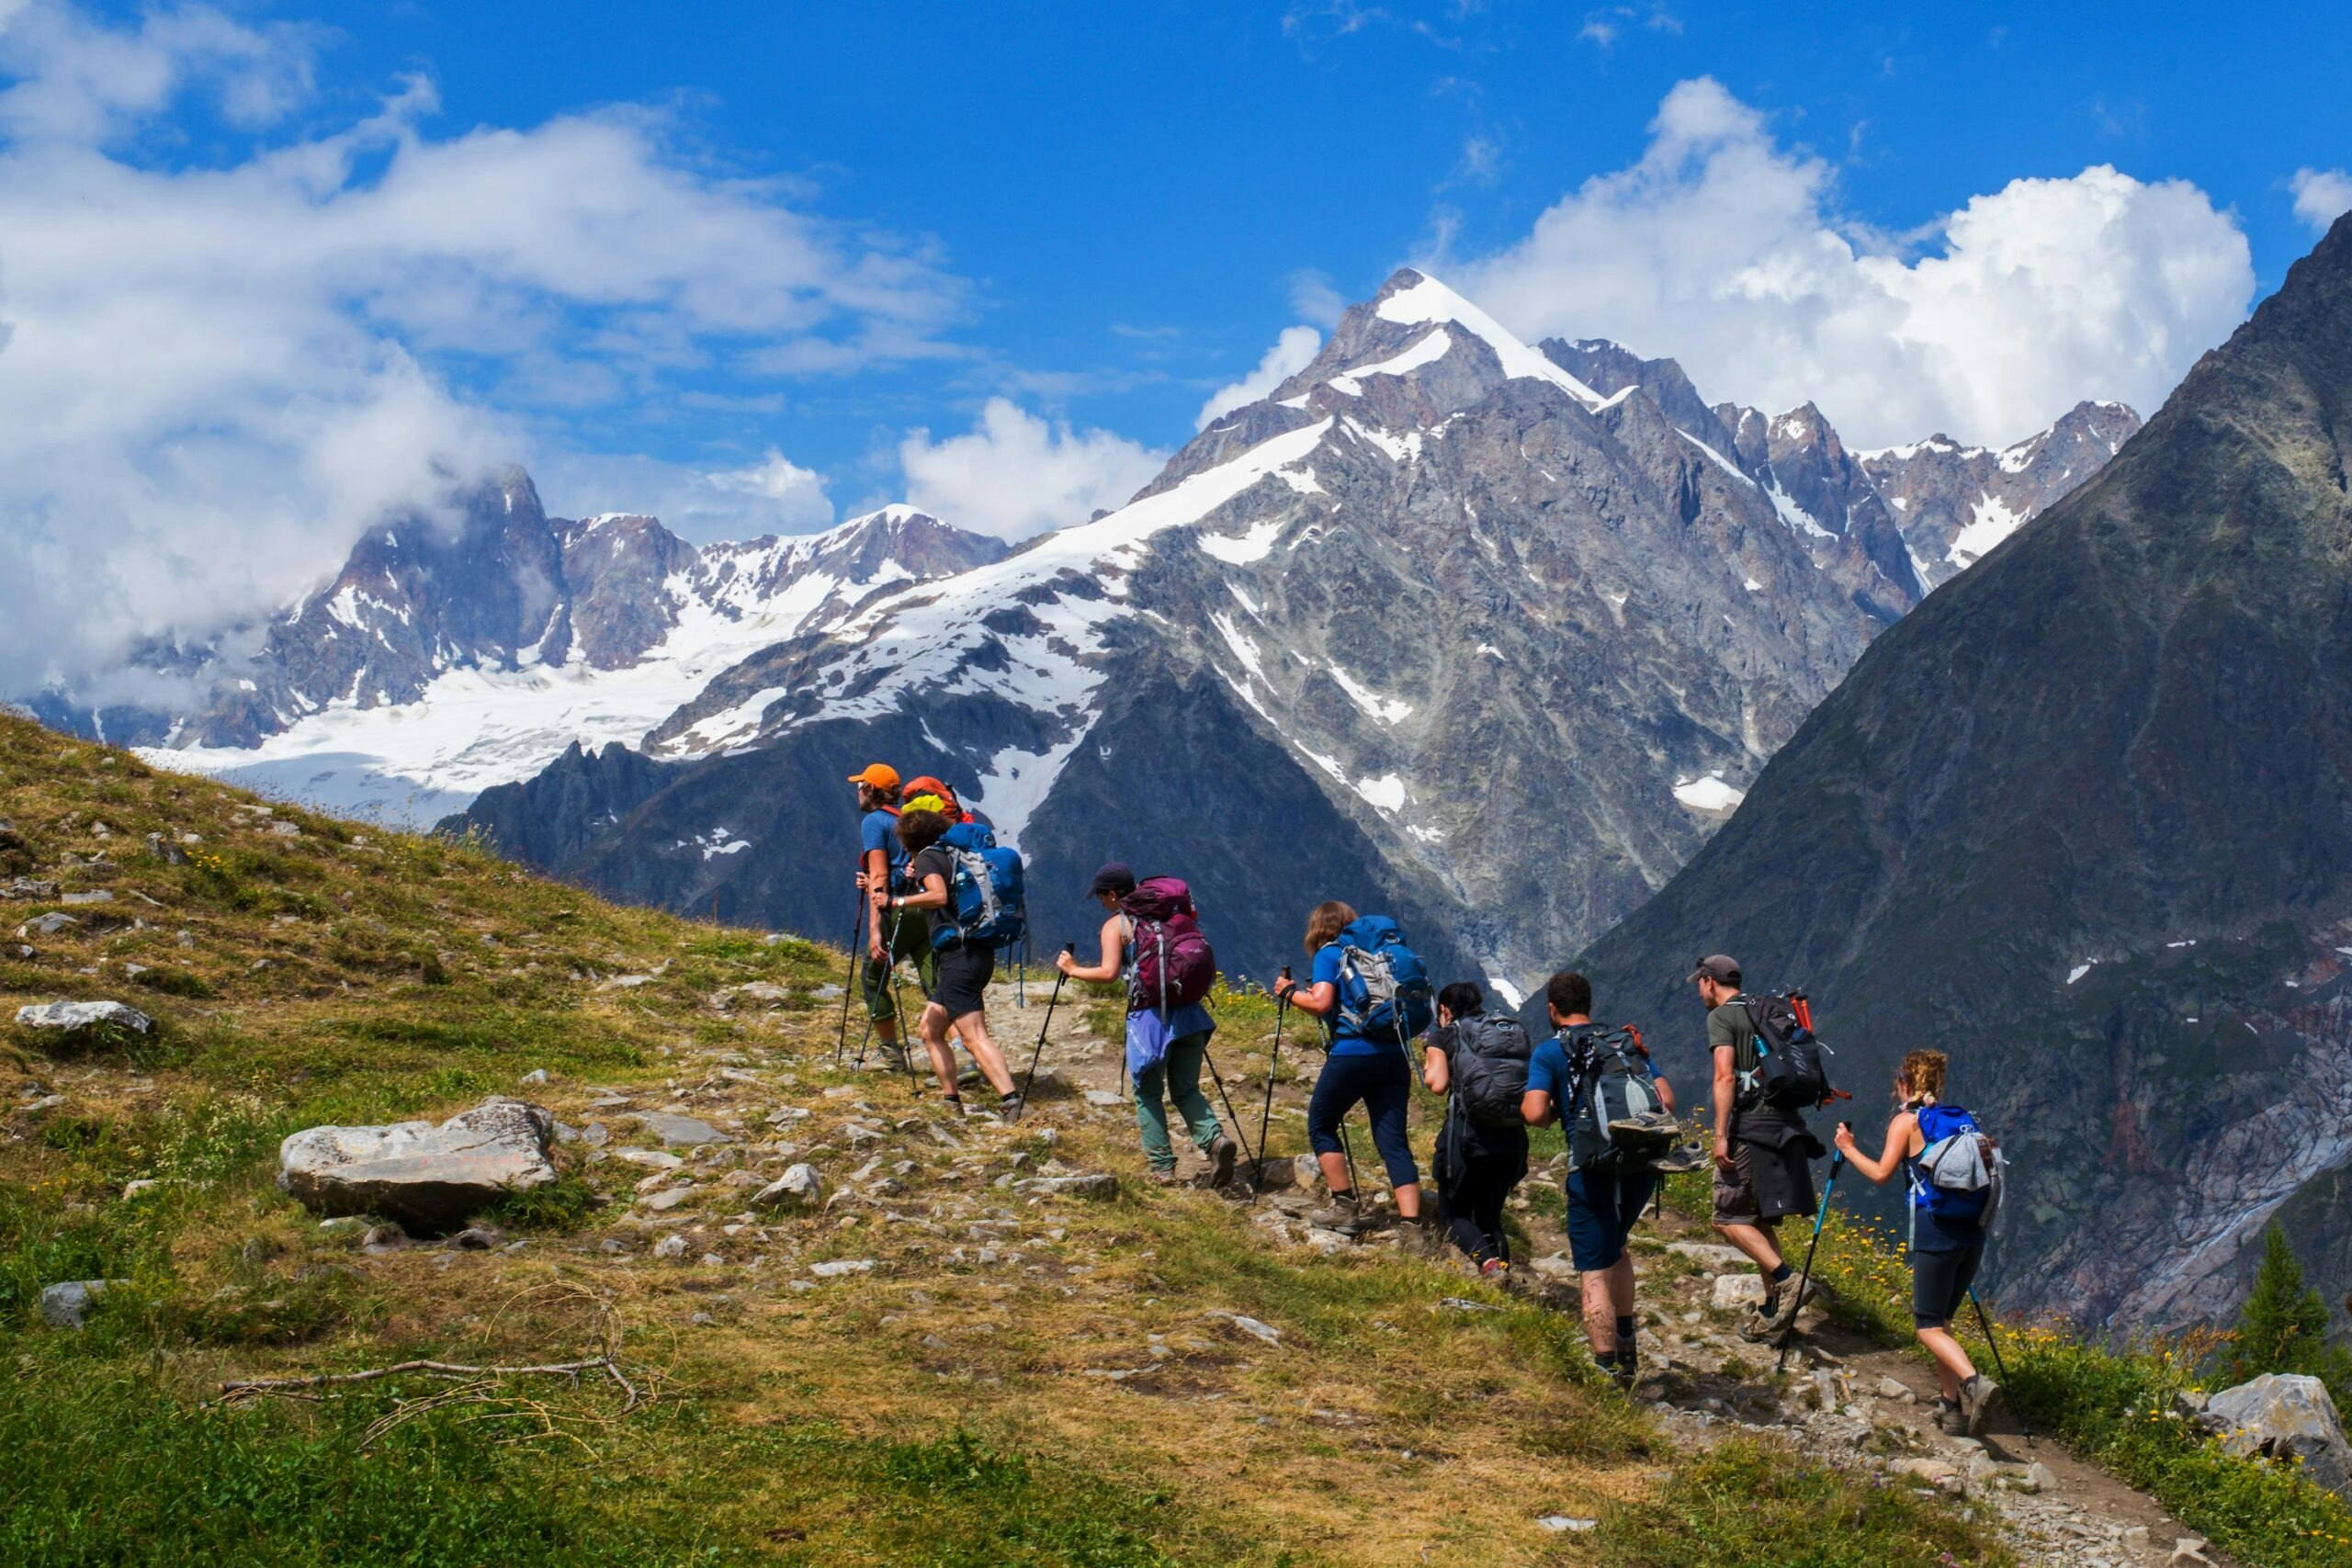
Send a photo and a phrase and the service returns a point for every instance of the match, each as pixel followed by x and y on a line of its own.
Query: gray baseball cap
pixel 1722 970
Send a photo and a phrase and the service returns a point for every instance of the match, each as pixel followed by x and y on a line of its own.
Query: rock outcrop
pixel 428 1178
pixel 2286 1418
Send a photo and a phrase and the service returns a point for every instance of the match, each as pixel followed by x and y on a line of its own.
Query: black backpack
pixel 1615 1120
pixel 1490 1057
pixel 1791 1069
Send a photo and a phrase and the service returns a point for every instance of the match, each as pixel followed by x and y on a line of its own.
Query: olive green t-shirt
pixel 1751 1123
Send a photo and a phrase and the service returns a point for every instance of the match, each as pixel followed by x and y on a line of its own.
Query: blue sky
pixel 728 263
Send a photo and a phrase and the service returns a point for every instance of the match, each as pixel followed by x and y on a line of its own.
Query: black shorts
pixel 1770 1184
pixel 964 972
pixel 1940 1282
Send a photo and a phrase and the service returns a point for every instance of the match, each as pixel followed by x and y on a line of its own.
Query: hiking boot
pixel 1625 1367
pixel 1977 1397
pixel 1345 1215
pixel 1166 1178
pixel 1496 1271
pixel 1948 1420
pixel 1222 1154
pixel 1761 1324
pixel 955 1103
pixel 1009 1108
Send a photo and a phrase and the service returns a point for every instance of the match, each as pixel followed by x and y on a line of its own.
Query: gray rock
pixel 427 1177
pixel 1895 1390
pixel 1737 1291
pixel 94 896
pixel 163 849
pixel 670 1246
pixel 680 1130
pixel 657 1159
pixel 1104 1098
pixel 533 1078
pixel 2283 1416
pixel 841 1266
pixel 28 887
pixel 66 1304
pixel 51 923
pixel 1710 1254
pixel 1254 1327
pixel 147 1184
pixel 800 1184
pixel 477 1239
pixel 69 1019
pixel 1090 1184
pixel 669 1198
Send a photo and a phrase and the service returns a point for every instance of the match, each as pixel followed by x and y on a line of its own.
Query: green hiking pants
pixel 905 936
pixel 1177 1076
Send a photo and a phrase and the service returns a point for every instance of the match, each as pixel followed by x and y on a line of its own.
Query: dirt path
pixel 1845 1398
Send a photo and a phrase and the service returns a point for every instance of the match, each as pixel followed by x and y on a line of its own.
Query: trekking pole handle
pixel 1070 948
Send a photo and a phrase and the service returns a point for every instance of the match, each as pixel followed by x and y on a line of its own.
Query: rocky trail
pixel 1844 1397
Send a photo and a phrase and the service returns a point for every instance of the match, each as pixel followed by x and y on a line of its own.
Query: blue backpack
pixel 1384 986
pixel 983 897
pixel 1957 1177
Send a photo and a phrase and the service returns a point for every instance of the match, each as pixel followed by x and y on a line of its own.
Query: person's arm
pixel 877 871
pixel 1665 1092
pixel 932 894
pixel 1726 1090
pixel 1898 1143
pixel 1535 1106
pixel 1107 968
pixel 1436 1071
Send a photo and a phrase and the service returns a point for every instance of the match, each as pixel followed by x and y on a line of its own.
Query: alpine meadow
pixel 1279 784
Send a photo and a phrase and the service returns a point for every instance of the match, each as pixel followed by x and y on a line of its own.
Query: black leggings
pixel 1472 1202
pixel 1940 1282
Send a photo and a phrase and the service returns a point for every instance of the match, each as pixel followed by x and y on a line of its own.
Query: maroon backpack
pixel 1173 966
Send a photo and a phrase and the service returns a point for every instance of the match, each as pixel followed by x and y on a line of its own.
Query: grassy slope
pixel 942 1408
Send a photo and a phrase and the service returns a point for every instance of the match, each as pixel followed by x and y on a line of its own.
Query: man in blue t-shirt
pixel 1602 1204
pixel 882 863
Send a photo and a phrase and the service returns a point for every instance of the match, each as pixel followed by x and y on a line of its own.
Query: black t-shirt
pixel 1479 1141
pixel 927 863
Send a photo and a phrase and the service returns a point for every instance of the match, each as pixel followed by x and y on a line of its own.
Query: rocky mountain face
pixel 1953 504
pixel 1440 624
pixel 2083 819
pixel 451 654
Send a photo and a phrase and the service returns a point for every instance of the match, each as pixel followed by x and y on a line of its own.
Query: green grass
pixel 1746 1504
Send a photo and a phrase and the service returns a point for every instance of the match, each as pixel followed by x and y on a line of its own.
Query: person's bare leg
pixel 935 1040
pixel 1755 1241
pixel 1619 1276
pixel 973 1029
pixel 1335 1171
pixel 1600 1322
pixel 1952 1366
pixel 1409 1201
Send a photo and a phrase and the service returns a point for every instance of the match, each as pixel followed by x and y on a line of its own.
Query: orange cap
pixel 880 775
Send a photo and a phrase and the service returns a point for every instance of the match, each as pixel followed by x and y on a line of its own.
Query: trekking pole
pixel 1348 1153
pixel 1219 1079
pixel 1836 1159
pixel 1281 1010
pixel 849 981
pixel 1031 1082
pixel 1994 1345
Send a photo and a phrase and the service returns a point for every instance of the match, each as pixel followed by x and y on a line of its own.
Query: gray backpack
pixel 1490 1057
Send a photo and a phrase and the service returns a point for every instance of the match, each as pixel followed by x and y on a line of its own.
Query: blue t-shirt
pixel 1345 1039
pixel 880 831
pixel 1548 1070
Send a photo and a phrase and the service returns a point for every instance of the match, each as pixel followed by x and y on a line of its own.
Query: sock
pixel 1780 1275
pixel 1624 1335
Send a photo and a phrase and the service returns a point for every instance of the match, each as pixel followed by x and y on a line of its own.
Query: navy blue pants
pixel 1382 1085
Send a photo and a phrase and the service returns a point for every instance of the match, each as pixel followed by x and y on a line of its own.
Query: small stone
pixel 672 1246
pixel 1563 1523
pixel 1097 1185
pixel 66 1304
pixel 535 1077
pixel 1249 1326
pixel 596 1134
pixel 1556 1269
pixel 381 1239
pixel 841 1266
pixel 50 924
pixel 1895 1390
pixel 476 1238
pixel 1733 1292
pixel 800 1184
pixel 95 896
pixel 146 1184
pixel 655 1159
pixel 1103 1098
pixel 663 1202
pixel 613 1244
pixel 71 1018
pixel 2189 1551
pixel 680 1130
pixel 2136 1539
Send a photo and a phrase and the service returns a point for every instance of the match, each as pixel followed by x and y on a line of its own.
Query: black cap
pixel 1722 970
pixel 1113 877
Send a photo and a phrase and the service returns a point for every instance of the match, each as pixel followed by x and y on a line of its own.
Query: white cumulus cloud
pixel 213 376
pixel 1014 474
pixel 2322 196
pixel 1292 352
pixel 775 495
pixel 1724 249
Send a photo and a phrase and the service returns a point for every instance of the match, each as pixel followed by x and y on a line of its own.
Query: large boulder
pixel 429 1178
pixel 2283 1416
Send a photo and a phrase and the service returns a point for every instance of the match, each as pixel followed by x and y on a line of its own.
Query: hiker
pixel 963 968
pixel 1606 1189
pixel 1762 1174
pixel 891 936
pixel 1357 1070
pixel 1480 1065
pixel 1946 1246
pixel 1165 1047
